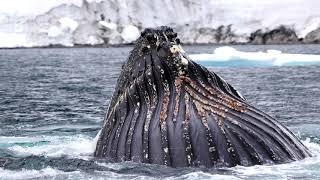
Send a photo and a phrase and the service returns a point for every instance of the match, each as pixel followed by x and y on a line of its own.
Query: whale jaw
pixel 168 110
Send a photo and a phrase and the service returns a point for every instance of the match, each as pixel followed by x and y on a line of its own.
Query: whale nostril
pixel 151 38
pixel 172 35
pixel 145 49
pixel 178 41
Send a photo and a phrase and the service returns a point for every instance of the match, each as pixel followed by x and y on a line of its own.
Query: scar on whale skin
pixel 169 110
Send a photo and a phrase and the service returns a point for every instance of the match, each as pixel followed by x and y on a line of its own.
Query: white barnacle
pixel 230 149
pixel 184 61
pixel 212 149
pixel 174 49
pixel 189 159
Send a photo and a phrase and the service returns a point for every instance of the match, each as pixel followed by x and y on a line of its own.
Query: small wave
pixel 79 146
pixel 29 174
pixel 228 56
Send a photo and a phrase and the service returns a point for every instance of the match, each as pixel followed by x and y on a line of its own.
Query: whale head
pixel 166 109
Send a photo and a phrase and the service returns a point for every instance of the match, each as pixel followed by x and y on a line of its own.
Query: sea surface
pixel 53 101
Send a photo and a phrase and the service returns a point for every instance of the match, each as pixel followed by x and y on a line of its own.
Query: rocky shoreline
pixel 225 35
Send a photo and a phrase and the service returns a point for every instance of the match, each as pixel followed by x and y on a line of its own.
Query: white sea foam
pixel 79 146
pixel 271 57
pixel 203 175
pixel 29 174
pixel 308 167
pixel 95 140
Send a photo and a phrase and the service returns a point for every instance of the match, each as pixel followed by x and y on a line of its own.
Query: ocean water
pixel 52 103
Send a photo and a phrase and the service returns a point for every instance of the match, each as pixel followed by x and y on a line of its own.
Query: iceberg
pixel 229 56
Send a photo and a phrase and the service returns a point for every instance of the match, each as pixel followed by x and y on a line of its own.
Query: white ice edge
pixel 277 58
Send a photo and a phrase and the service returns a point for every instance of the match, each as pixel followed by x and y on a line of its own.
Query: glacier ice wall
pixel 30 23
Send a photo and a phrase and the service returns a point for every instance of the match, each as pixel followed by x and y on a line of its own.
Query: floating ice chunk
pixel 271 57
pixel 130 33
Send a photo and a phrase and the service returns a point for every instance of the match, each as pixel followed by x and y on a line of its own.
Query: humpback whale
pixel 166 109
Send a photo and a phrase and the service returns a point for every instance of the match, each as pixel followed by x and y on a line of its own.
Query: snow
pixel 32 7
pixel 54 31
pixel 12 40
pixel 271 57
pixel 41 23
pixel 111 26
pixel 93 40
pixel 68 24
pixel 130 33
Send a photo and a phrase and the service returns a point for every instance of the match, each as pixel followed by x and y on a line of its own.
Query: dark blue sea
pixel 53 101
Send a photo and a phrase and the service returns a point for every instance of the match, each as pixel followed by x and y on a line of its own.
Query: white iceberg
pixel 230 56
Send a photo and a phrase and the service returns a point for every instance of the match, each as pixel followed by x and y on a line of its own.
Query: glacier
pixel 38 23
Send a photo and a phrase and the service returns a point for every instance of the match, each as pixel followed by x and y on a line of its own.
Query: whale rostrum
pixel 169 110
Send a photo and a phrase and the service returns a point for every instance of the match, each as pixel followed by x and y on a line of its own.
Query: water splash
pixel 83 146
pixel 79 146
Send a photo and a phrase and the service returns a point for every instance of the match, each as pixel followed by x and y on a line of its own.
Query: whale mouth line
pixel 166 109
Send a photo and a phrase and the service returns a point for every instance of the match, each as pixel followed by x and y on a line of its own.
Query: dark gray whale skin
pixel 168 110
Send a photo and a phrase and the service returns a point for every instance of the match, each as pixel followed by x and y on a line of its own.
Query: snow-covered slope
pixel 27 23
